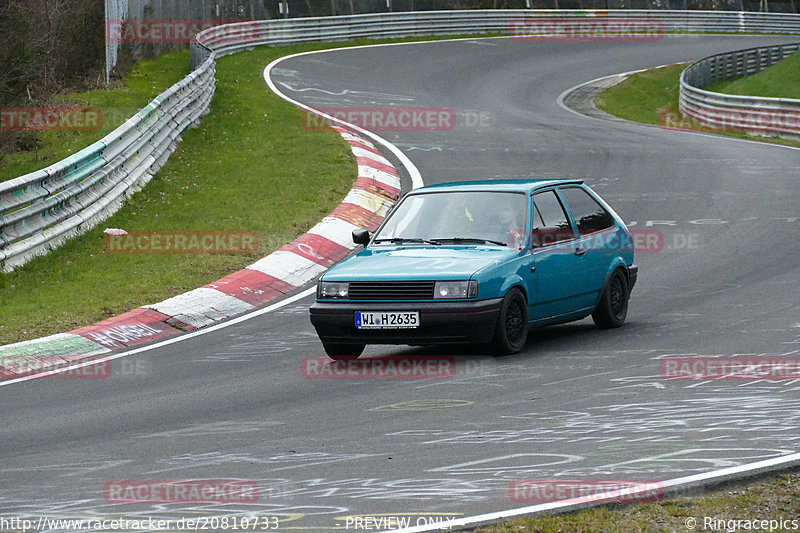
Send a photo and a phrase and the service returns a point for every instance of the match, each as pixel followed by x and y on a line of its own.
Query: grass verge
pixel 643 96
pixel 121 100
pixel 775 498
pixel 651 97
pixel 250 165
pixel 778 81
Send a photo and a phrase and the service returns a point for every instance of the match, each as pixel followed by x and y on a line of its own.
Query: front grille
pixel 391 290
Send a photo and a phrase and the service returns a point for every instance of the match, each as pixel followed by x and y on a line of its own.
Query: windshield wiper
pixel 402 240
pixel 471 239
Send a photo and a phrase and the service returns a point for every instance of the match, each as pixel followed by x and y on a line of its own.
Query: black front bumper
pixel 440 322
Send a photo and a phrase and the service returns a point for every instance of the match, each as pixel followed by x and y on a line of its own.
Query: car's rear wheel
pixel 511 330
pixel 343 352
pixel 613 306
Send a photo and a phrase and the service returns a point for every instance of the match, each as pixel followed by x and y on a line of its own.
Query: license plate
pixel 387 319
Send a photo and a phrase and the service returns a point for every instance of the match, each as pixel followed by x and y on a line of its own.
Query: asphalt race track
pixel 578 403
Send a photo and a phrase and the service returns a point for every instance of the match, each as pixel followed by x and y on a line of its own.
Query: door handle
pixel 580 251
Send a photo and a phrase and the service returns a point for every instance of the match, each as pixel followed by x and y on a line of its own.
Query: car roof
pixel 506 185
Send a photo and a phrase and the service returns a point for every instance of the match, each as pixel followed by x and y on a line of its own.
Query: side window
pixel 589 215
pixel 550 222
pixel 537 218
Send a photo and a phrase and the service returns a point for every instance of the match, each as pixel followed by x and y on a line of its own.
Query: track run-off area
pixel 579 403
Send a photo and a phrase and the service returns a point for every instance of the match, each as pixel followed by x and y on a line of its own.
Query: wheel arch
pixel 514 282
pixel 617 264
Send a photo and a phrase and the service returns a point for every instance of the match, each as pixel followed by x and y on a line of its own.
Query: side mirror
pixel 361 236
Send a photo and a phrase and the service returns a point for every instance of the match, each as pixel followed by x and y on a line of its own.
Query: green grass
pixel 651 97
pixel 116 103
pixel 782 80
pixel 124 98
pixel 250 165
pixel 644 96
pixel 773 498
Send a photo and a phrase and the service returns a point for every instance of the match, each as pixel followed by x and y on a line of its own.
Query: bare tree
pixel 46 47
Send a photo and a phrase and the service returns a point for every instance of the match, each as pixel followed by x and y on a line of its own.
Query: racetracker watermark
pixel 131 31
pixel 392 367
pixel 193 523
pixel 642 240
pixel 12 367
pixel 735 367
pixel 654 241
pixel 585 490
pixel 586 29
pixel 180 242
pixel 385 118
pixel 731 120
pixel 196 491
pixel 50 119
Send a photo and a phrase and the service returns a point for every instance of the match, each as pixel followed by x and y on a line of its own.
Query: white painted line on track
pixel 416 180
pixel 606 497
pixel 562 105
pixel 173 340
pixel 563 95
pixel 413 171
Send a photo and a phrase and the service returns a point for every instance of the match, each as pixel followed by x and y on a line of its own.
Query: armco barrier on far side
pixel 40 210
pixel 729 112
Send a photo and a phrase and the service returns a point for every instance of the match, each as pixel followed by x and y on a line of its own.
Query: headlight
pixel 333 289
pixel 455 289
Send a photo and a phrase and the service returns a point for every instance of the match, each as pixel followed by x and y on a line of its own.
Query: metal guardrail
pixel 756 115
pixel 383 25
pixel 40 210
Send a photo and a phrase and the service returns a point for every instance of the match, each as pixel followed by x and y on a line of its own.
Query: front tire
pixel 511 331
pixel 613 306
pixel 343 352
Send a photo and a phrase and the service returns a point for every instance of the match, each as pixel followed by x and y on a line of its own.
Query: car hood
pixel 417 263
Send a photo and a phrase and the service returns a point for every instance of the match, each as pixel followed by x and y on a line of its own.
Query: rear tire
pixel 343 352
pixel 613 306
pixel 511 331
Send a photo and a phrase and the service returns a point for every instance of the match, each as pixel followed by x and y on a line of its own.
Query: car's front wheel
pixel 613 306
pixel 511 330
pixel 343 352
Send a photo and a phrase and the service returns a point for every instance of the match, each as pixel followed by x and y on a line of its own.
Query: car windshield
pixel 457 217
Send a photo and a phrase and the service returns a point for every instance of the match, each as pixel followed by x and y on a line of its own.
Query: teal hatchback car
pixel 478 262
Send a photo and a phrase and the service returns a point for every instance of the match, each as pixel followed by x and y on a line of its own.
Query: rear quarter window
pixel 589 215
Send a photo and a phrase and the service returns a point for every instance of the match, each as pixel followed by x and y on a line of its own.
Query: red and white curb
pixel 374 192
